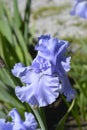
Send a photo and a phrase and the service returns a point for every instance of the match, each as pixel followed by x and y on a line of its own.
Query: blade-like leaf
pixel 39 118
pixel 61 123
pixel 6 97
pixel 26 20
pixel 6 78
pixel 27 56
pixel 5 30
pixel 17 17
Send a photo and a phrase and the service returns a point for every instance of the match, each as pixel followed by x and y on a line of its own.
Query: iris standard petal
pixel 51 48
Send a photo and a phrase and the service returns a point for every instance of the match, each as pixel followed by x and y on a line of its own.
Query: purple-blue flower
pixel 17 123
pixel 80 8
pixel 46 78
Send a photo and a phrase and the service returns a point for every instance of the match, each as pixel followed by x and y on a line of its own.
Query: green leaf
pixel 17 17
pixel 2 110
pixel 19 36
pixel 39 118
pixel 26 20
pixel 17 33
pixel 5 30
pixel 2 114
pixel 6 97
pixel 9 53
pixel 61 123
pixel 5 76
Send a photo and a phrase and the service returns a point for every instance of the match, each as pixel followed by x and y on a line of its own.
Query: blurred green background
pixel 18 34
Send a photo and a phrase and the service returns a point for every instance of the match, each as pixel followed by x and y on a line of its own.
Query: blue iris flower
pixel 80 8
pixel 17 123
pixel 46 78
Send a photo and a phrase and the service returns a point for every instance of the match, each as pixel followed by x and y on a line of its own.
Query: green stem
pixel 37 114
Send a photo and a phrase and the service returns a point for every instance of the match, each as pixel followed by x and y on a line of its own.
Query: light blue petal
pixel 51 48
pixel 18 124
pixel 80 9
pixel 5 126
pixel 40 64
pixel 67 90
pixel 15 116
pixel 18 69
pixel 66 64
pixel 16 119
pixel 42 91
pixel 30 121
